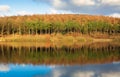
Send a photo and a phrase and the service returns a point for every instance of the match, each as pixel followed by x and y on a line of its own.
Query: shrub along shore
pixel 58 38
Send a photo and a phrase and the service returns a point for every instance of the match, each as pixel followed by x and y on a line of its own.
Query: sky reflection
pixel 29 70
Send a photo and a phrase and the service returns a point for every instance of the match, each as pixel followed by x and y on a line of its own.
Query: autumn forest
pixel 64 24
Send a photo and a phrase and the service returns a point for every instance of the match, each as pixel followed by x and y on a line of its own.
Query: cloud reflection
pixel 111 74
pixel 98 70
pixel 4 68
pixel 83 74
pixel 103 70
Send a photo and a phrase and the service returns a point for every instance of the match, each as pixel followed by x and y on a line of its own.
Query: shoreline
pixel 56 38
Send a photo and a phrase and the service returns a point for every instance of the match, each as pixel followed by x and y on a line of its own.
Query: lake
pixel 28 59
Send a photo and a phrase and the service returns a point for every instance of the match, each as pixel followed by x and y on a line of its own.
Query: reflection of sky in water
pixel 99 70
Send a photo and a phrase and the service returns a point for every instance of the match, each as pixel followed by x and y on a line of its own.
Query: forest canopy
pixel 58 23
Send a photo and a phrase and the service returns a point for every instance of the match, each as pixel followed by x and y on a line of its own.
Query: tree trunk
pixel 2 32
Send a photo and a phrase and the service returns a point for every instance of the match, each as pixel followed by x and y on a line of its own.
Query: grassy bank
pixel 57 38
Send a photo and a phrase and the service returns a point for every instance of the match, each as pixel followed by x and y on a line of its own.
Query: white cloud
pixel 83 2
pixel 4 8
pixel 103 7
pixel 58 3
pixel 1 15
pixel 53 11
pixel 4 68
pixel 116 15
pixel 66 12
pixel 111 2
pixel 24 13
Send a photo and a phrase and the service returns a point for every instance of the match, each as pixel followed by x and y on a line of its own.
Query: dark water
pixel 91 60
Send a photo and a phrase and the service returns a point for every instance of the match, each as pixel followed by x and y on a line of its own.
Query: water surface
pixel 29 70
pixel 86 60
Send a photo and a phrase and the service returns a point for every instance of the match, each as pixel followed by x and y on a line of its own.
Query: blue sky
pixel 16 7
pixel 29 7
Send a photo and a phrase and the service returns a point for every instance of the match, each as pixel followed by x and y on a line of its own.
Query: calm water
pixel 87 60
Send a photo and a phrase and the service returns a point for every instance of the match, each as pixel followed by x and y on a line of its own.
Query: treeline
pixel 48 24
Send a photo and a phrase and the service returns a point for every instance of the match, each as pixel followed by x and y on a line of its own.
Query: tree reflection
pixel 83 54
